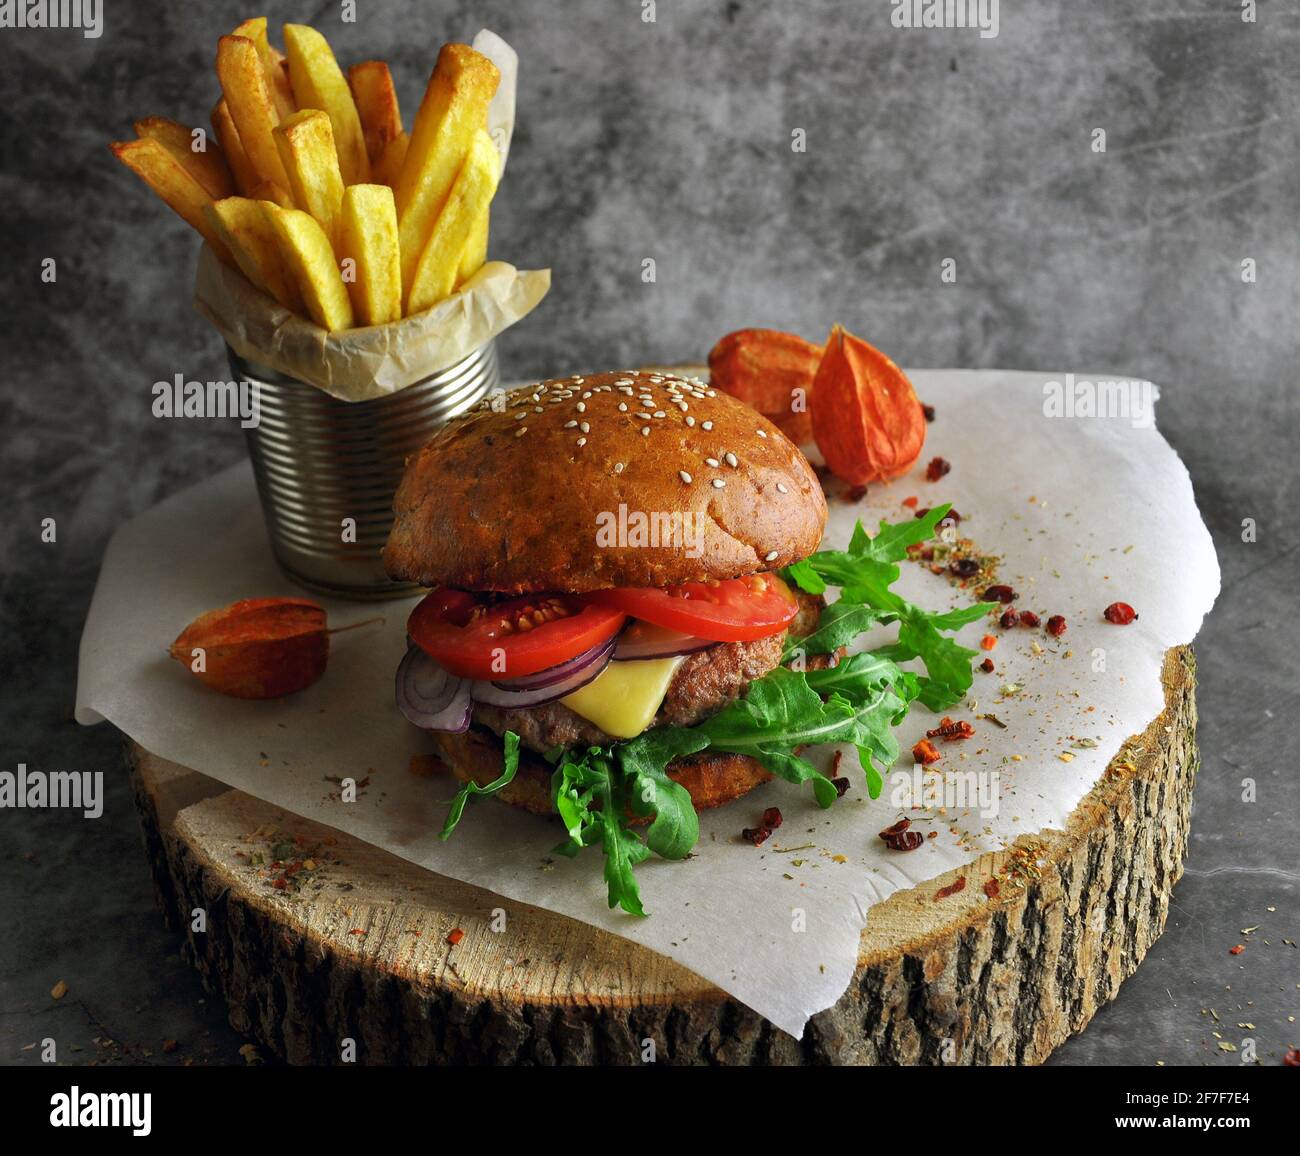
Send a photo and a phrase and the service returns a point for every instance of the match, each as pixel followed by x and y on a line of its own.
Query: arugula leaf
pixel 676 826
pixel 511 742
pixel 840 623
pixel 866 571
pixel 805 576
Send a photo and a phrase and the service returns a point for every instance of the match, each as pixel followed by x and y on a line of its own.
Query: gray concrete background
pixel 671 141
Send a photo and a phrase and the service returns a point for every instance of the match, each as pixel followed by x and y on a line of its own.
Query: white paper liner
pixel 366 363
pixel 1112 517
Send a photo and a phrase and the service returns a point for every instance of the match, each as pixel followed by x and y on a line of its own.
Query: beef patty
pixel 704 683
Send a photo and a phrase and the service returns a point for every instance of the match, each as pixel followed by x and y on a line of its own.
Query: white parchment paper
pixel 369 362
pixel 1083 511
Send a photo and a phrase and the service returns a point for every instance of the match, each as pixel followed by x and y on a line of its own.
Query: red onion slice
pixel 546 685
pixel 560 672
pixel 431 697
pixel 645 640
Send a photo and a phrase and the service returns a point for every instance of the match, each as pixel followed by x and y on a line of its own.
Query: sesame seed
pixel 684 476
pixel 771 556
pixel 645 431
pixel 683 406
pixel 643 416
pixel 521 415
pixel 690 421
pixel 582 441
pixel 570 424
pixel 577 378
pixel 711 462
pixel 660 413
pixel 760 433
pixel 780 488
pixel 585 427
pixel 582 407
pixel 618 467
pixel 538 409
pixel 706 425
pixel 523 429
pixel 731 460
pixel 586 394
pixel 622 407
pixel 718 483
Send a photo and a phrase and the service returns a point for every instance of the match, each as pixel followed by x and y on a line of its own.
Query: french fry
pixel 471 193
pixel 454 108
pixel 223 128
pixel 270 191
pixel 368 235
pixel 306 251
pixel 207 166
pixel 471 260
pixel 242 224
pixel 247 93
pixel 306 144
pixel 318 82
pixel 154 164
pixel 387 169
pixel 277 79
pixel 376 99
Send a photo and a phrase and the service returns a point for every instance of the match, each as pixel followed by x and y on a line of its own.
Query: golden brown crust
pixel 711 778
pixel 510 499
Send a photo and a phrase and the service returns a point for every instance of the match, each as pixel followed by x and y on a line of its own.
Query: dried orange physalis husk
pixel 866 418
pixel 257 648
pixel 770 371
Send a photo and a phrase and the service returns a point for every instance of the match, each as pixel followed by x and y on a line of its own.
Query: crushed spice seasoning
pixel 958 884
pixel 1120 613
pixel 924 752
pixel 1056 625
pixel 937 468
pixel 899 838
pixel 756 835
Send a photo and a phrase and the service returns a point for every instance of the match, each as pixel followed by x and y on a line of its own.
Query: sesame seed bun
pixel 712 778
pixel 617 479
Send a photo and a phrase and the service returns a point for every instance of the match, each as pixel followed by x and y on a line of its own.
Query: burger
pixel 612 633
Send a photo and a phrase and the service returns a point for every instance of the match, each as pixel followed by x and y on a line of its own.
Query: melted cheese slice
pixel 624 698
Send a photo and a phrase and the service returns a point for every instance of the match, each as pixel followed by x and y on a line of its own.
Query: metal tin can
pixel 320 462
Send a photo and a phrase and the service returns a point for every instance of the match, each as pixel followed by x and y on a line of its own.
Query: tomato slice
pixel 475 638
pixel 735 610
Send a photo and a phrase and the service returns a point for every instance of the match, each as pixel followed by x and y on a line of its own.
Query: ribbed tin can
pixel 319 461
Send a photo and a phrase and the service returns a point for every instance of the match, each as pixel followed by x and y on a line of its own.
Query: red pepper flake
pixel 1120 613
pixel 958 884
pixel 1029 618
pixel 772 818
pixel 1237 950
pixel 999 594
pixel 951 731
pixel 992 888
pixel 455 935
pixel 841 786
pixel 937 468
pixel 899 838
pixel 357 931
pixel 910 503
pixel 988 642
pixel 279 884
pixel 964 567
pixel 756 835
pixel 1291 1058
pixel 1009 620
pixel 987 666
pixel 928 410
pixel 1056 625
pixel 924 752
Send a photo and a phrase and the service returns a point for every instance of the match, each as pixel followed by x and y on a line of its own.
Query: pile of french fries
pixel 312 189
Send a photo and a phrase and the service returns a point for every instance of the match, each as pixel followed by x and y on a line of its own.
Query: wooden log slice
pixel 356 946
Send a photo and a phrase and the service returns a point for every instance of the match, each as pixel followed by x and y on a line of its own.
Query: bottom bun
pixel 712 779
